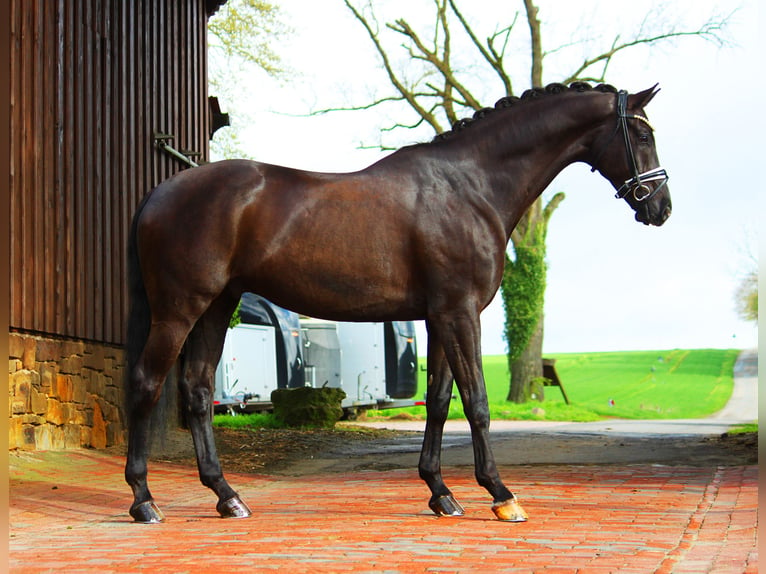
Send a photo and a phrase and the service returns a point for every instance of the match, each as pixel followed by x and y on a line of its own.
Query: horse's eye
pixel 644 137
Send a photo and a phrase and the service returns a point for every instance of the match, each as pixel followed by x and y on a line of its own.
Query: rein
pixel 636 184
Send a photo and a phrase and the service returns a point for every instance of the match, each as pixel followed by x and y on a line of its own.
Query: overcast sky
pixel 613 284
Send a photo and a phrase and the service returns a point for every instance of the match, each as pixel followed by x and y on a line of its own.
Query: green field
pixel 632 385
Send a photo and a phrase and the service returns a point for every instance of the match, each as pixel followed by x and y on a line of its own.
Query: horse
pixel 419 235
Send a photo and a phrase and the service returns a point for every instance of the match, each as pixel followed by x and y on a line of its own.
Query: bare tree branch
pixel 448 97
pixel 710 31
pixel 490 54
pixel 444 90
pixel 369 106
pixel 406 94
pixel 536 72
pixel 500 56
pixel 439 63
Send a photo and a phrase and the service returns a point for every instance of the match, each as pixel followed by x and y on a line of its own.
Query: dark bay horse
pixel 419 235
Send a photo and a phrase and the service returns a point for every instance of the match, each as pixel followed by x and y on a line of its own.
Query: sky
pixel 613 284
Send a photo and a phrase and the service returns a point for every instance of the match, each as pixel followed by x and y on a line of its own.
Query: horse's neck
pixel 532 154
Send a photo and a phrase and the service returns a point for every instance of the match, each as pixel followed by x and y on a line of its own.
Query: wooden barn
pixel 102 94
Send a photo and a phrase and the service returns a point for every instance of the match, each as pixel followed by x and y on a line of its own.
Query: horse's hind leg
pixel 438 397
pixel 201 355
pixel 144 388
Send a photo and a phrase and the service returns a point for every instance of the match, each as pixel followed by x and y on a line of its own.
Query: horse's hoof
pixel 446 505
pixel 233 508
pixel 147 513
pixel 510 511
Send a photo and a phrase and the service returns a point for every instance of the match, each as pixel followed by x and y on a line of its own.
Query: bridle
pixel 636 184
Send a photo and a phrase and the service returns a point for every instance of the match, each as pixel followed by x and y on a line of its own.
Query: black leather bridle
pixel 636 184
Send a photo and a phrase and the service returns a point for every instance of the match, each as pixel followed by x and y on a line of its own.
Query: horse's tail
pixel 139 313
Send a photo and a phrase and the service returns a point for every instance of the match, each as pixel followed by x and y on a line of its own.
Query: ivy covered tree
pixel 523 293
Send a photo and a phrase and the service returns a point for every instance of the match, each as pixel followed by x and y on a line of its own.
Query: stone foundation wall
pixel 64 393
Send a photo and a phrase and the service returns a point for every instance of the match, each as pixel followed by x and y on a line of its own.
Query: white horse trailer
pixel 247 371
pixel 374 363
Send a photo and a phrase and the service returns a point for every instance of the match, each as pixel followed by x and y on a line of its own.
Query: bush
pixel 307 407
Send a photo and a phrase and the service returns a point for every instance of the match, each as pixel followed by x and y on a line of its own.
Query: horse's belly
pixel 328 294
pixel 354 277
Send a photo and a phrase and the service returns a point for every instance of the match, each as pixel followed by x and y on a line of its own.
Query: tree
pixel 443 75
pixel 747 297
pixel 746 294
pixel 240 39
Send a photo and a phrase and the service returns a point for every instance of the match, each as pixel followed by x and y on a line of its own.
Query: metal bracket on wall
pixel 162 141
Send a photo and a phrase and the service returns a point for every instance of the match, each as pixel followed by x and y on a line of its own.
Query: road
pixel 742 408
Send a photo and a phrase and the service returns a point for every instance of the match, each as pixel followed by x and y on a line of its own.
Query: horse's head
pixel 630 162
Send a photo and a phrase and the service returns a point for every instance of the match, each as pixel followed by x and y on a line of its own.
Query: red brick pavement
pixel 69 513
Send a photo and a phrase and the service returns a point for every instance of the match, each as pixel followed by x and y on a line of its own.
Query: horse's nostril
pixel 664 215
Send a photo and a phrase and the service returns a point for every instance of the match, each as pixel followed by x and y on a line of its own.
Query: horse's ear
pixel 641 99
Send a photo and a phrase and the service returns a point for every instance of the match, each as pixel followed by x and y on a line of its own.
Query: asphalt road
pixel 694 442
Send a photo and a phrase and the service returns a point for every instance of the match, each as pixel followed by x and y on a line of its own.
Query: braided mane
pixel 530 94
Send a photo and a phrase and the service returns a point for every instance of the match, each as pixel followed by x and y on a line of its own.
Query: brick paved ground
pixel 69 513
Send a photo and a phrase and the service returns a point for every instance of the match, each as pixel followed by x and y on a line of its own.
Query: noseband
pixel 636 184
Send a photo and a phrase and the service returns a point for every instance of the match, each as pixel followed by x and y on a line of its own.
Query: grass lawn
pixel 666 384
pixel 633 385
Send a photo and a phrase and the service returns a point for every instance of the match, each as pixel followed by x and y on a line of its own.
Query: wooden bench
pixel 552 377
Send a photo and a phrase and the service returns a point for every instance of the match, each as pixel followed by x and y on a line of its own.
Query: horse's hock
pixel 64 393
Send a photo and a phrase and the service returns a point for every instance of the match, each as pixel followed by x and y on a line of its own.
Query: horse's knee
pixel 480 424
pixel 199 401
pixel 437 416
pixel 476 410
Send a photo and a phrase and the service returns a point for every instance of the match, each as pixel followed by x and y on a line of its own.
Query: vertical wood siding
pixel 91 82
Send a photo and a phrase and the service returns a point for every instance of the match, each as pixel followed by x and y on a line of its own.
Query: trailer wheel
pixel 352 413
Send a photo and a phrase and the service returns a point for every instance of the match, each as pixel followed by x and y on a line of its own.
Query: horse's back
pixel 270 228
pixel 205 205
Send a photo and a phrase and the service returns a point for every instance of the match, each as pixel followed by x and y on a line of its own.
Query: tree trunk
pixel 523 290
pixel 527 370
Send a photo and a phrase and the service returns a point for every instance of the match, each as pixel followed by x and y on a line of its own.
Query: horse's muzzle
pixel 648 216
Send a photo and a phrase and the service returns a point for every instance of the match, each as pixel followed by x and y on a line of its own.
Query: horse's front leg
pixel 438 397
pixel 461 339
